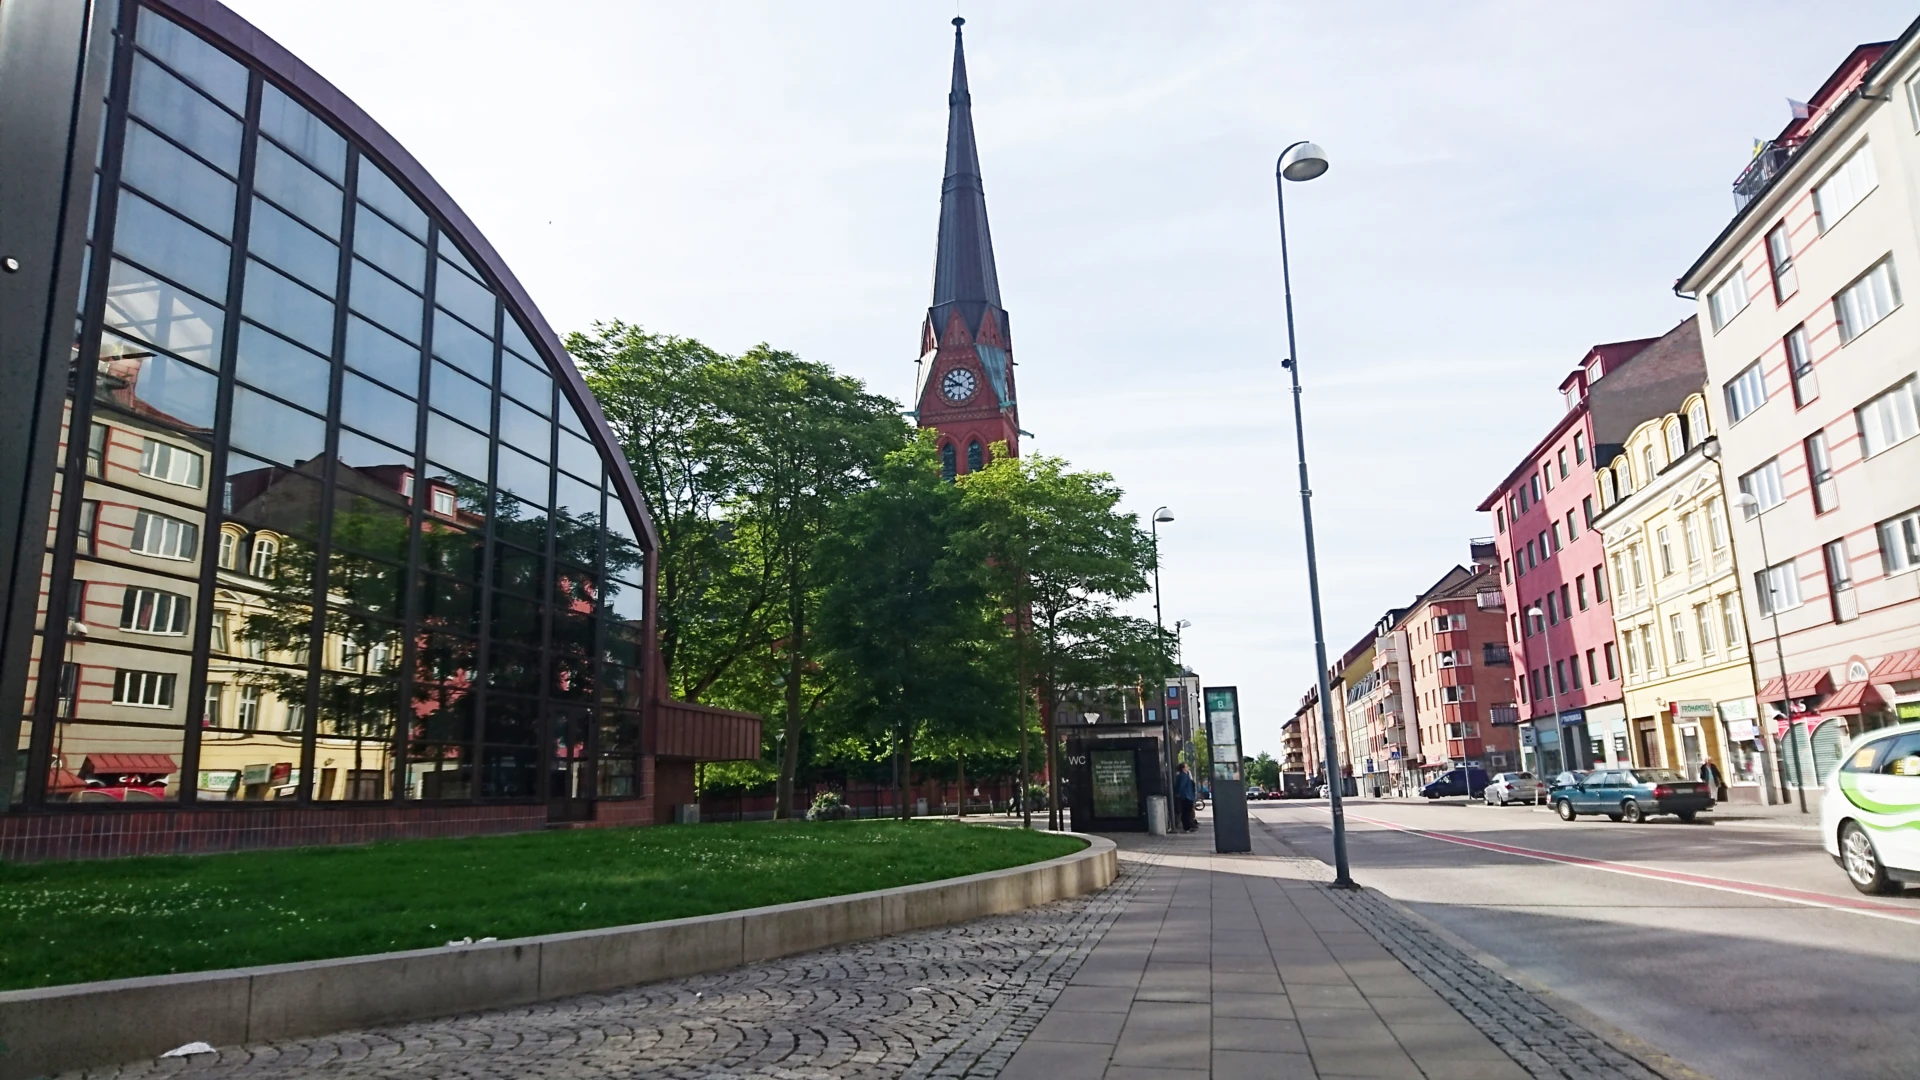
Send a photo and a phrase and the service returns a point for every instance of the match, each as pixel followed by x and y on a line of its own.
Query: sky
pixel 1511 183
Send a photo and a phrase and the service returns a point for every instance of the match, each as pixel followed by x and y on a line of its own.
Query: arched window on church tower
pixel 976 457
pixel 948 464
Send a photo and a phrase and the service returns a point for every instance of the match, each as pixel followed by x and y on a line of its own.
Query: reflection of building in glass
pixel 333 519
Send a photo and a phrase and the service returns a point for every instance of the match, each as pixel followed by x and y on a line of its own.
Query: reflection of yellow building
pixel 1676 603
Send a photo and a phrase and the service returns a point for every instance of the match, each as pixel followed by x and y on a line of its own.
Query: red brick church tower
pixel 966 347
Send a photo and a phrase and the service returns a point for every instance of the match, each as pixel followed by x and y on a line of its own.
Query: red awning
pixel 121 764
pixel 1853 697
pixel 1800 684
pixel 1898 667
pixel 64 781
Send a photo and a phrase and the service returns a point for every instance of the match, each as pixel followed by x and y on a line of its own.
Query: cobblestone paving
pixel 1541 1040
pixel 953 1002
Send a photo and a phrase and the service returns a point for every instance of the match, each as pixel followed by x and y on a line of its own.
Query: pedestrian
pixel 1711 776
pixel 1183 794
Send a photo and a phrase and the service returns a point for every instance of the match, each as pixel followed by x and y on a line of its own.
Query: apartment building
pixel 1677 608
pixel 1352 669
pixel 1386 699
pixel 1459 672
pixel 1813 387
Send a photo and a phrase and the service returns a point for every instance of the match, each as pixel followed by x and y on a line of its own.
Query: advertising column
pixel 1230 832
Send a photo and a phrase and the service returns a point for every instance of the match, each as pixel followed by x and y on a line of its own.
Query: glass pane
pixel 456 446
pixel 157 312
pixel 179 180
pixel 623 555
pixel 196 123
pixel 266 359
pixel 114 764
pixel 203 65
pixel 448 604
pixel 531 385
pixel 626 602
pixel 385 301
pixel 446 668
pixel 518 571
pixel 450 252
pixel 460 345
pixel 294 248
pixel 514 670
pixel 388 248
pixel 509 773
pixel 271 497
pixel 461 397
pixel 362 584
pixel 453 552
pixel 274 300
pixel 155 387
pixel 366 515
pixel 384 466
pixel 621 686
pixel 372 408
pixel 299 190
pixel 373 351
pixel 378 191
pixel 522 476
pixel 276 432
pixel 570 419
pixel 169 246
pixel 581 502
pixel 514 721
pixel 623 643
pixel 517 522
pixel 516 339
pixel 438 772
pixel 516 621
pixel 354 747
pixel 464 297
pixel 303 133
pixel 525 431
pixel 578 456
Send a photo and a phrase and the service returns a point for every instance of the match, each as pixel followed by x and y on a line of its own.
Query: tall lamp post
pixel 1769 767
pixel 1535 617
pixel 1746 501
pixel 1301 162
pixel 1160 638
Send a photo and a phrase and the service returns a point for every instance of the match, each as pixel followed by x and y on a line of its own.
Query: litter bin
pixel 919 808
pixel 1157 815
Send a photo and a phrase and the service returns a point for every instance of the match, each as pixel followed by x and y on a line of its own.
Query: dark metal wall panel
pixel 54 60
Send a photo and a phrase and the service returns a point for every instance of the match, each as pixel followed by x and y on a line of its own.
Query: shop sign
pixel 1573 716
pixel 256 774
pixel 1698 709
pixel 217 784
pixel 1527 736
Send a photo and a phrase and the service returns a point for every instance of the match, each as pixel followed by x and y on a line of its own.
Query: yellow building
pixel 1677 609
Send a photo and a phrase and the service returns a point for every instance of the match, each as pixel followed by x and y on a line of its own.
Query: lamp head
pixel 1535 611
pixel 1304 161
pixel 1163 515
pixel 1710 448
pixel 1746 501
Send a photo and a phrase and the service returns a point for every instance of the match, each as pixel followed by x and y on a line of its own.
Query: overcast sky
pixel 1511 183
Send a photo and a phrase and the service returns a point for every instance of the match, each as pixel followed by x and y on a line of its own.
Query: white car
pixel 1511 787
pixel 1870 810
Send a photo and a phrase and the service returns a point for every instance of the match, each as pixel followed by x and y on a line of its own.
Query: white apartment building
pixel 1813 386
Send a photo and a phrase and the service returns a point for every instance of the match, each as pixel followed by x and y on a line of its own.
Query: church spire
pixel 963 271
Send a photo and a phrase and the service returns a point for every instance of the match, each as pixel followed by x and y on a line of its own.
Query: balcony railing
pixel 1765 165
pixel 1503 714
pixel 1491 600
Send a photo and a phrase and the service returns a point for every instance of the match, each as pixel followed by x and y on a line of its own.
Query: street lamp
pixel 1160 638
pixel 1769 767
pixel 1179 651
pixel 1535 617
pixel 1746 501
pixel 1301 162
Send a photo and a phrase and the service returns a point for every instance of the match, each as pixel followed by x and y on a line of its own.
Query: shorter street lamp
pixel 1746 501
pixel 1160 638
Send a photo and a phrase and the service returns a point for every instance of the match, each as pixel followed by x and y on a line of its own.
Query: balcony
pixel 1491 600
pixel 1761 170
pixel 1503 714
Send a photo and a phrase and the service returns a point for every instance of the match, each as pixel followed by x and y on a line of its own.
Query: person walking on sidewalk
pixel 1183 799
pixel 1711 776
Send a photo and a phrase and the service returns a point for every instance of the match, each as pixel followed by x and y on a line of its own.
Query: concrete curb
pixel 57 1028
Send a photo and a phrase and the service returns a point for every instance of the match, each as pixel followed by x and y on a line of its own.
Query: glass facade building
pixel 330 517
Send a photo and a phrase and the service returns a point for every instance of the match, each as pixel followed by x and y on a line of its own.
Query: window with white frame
pixel 1648 654
pixel 1843 189
pixel 1800 366
pixel 1728 298
pixel 260 563
pixel 219 637
pixel 1891 418
pixel 1697 423
pixel 1639 569
pixel 1826 491
pixel 1579 448
pixel 1454 695
pixel 1747 392
pixel 210 717
pixel 143 689
pixel 1690 530
pixel 1676 442
pixel 1633 659
pixel 1731 617
pixel 1900 542
pixel 1786 281
pixel 1778 587
pixel 1872 297
pixel 1453 658
pixel 151 611
pixel 229 550
pixel 1647 462
pixel 1607 497
pixel 1704 619
pixel 160 535
pixel 1763 484
pixel 1678 628
pixel 247 716
pixel 171 464
pixel 1664 539
pixel 1443 623
pixel 1717 524
pixel 443 502
pixel 1913 100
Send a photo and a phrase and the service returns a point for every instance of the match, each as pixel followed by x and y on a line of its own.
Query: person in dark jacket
pixel 1183 799
pixel 1716 782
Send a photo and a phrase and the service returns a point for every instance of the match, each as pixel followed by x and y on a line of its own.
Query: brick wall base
pixel 32 837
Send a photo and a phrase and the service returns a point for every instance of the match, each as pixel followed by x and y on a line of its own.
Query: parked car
pixel 1510 787
pixel 1567 779
pixel 1870 811
pixel 1632 794
pixel 1470 781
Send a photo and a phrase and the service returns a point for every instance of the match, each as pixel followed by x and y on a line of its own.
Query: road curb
pixel 58 1028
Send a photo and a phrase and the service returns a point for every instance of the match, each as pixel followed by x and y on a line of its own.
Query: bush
pixel 827 806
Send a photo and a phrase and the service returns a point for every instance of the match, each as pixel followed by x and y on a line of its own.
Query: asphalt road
pixel 1739 949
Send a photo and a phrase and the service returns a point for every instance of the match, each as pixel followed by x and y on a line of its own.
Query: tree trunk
pixel 1053 762
pixel 1020 678
pixel 790 744
pixel 963 787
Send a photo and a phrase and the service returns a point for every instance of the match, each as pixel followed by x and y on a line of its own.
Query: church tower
pixel 965 385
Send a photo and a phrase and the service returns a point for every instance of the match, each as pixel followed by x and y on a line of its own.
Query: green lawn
pixel 65 922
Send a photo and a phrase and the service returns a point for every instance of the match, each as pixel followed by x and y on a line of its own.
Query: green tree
pixel 907 615
pixel 1061 557
pixel 1262 770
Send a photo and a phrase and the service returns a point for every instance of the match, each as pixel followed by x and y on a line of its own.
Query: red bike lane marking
pixel 1677 877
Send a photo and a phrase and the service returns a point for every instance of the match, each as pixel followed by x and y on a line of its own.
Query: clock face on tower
pixel 958 385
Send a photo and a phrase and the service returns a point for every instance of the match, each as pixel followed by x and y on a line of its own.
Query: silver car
pixel 1512 787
